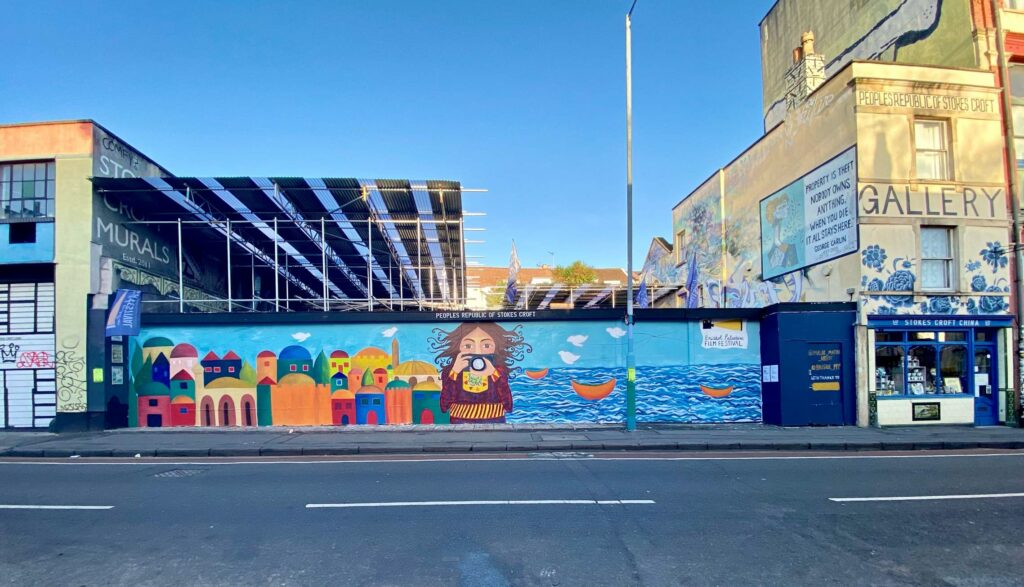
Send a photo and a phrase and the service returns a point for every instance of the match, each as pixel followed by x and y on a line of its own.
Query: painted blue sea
pixel 664 394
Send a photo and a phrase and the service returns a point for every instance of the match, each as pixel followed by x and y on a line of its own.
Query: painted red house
pixel 183 411
pixel 154 411
pixel 343 408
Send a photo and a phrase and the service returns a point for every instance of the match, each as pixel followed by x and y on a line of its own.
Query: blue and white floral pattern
pixel 892 279
pixel 873 256
pixel 994 255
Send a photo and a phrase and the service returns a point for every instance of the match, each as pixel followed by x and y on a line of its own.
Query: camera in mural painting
pixel 479 362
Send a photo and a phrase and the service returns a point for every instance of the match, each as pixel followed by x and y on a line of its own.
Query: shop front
pixel 939 369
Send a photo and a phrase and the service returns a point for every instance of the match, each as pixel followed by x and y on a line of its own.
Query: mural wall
pixel 720 238
pixel 447 373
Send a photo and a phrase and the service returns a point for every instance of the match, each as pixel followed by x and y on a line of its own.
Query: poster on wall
pixel 826 366
pixel 813 219
pixel 723 334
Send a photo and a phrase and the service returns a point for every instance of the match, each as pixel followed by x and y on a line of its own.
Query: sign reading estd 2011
pixel 813 219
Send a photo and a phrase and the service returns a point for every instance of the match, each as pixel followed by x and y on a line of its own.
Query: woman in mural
pixel 476 361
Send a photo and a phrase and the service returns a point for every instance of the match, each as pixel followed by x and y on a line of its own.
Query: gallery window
pixel 931 147
pixel 937 258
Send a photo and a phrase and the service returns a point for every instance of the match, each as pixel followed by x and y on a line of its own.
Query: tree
pixel 322 369
pixel 136 360
pixel 247 374
pixel 575 274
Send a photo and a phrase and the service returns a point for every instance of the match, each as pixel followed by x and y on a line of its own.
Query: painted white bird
pixel 568 358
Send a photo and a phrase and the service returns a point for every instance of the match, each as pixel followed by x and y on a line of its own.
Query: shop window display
pixel 922 363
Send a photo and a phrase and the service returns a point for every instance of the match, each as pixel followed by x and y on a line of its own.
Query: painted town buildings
pixel 881 179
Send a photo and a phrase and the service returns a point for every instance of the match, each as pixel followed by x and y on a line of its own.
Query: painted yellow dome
pixel 416 368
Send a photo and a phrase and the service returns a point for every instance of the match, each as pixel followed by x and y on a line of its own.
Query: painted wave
pixel 664 394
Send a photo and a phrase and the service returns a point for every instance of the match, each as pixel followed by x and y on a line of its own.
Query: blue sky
pixel 576 344
pixel 524 98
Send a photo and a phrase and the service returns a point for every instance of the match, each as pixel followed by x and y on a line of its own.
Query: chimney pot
pixel 807 43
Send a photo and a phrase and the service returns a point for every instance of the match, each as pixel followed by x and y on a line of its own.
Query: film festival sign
pixel 813 219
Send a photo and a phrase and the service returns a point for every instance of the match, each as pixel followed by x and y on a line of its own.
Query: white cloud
pixel 568 358
pixel 389 332
pixel 577 340
pixel 615 332
pixel 301 336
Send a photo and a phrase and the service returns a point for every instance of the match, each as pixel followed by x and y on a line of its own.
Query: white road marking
pixel 602 459
pixel 927 497
pixel 54 507
pixel 394 504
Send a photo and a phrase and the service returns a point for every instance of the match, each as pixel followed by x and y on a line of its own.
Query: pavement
pixel 326 441
pixel 921 519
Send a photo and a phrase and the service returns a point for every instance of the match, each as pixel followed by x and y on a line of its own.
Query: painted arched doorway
pixel 248 411
pixel 226 411
pixel 206 409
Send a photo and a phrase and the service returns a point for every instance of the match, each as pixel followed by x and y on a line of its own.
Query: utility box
pixel 807 364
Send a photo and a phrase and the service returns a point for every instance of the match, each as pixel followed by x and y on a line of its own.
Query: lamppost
pixel 630 352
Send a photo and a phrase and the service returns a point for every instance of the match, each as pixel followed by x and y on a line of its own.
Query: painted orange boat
pixel 717 391
pixel 536 373
pixel 593 392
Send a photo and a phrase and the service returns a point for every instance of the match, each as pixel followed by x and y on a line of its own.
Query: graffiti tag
pixel 34 360
pixel 9 353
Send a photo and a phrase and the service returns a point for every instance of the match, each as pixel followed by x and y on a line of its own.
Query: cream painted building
pixel 881 180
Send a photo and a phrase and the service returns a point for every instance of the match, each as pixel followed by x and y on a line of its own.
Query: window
pixel 153 402
pixel 305 367
pixel 293 368
pixel 932 155
pixel 921 363
pixel 27 190
pixel 231 369
pixel 266 363
pixel 216 369
pixel 376 401
pixel 936 257
pixel 208 369
pixel 678 245
pixel 182 410
pixel 183 385
pixel 22 233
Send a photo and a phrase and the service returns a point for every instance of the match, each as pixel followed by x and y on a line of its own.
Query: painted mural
pixel 473 372
pixel 929 32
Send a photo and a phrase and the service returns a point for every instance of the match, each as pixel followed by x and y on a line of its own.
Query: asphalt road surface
pixel 519 521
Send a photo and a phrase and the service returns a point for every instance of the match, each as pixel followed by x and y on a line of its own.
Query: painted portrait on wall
pixel 477 360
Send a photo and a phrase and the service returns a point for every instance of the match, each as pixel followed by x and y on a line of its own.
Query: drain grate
pixel 175 473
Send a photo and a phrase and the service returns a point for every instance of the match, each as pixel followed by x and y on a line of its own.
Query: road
pixel 693 521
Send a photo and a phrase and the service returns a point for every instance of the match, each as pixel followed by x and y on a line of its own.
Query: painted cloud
pixel 615 332
pixel 568 358
pixel 389 332
pixel 301 336
pixel 577 340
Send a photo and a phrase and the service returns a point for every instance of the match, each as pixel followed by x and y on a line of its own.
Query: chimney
pixel 807 73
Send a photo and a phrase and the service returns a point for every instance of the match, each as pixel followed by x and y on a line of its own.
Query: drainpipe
pixel 1015 237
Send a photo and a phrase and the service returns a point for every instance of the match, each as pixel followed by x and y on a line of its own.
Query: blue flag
pixel 125 315
pixel 641 295
pixel 511 289
pixel 692 299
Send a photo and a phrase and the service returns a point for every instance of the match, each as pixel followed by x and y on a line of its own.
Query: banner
pixel 125 313
pixel 813 219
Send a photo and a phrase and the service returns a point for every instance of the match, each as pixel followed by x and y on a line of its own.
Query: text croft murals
pixel 471 372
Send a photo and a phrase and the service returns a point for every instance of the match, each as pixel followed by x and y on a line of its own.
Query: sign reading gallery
pixel 813 219
pixel 942 201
